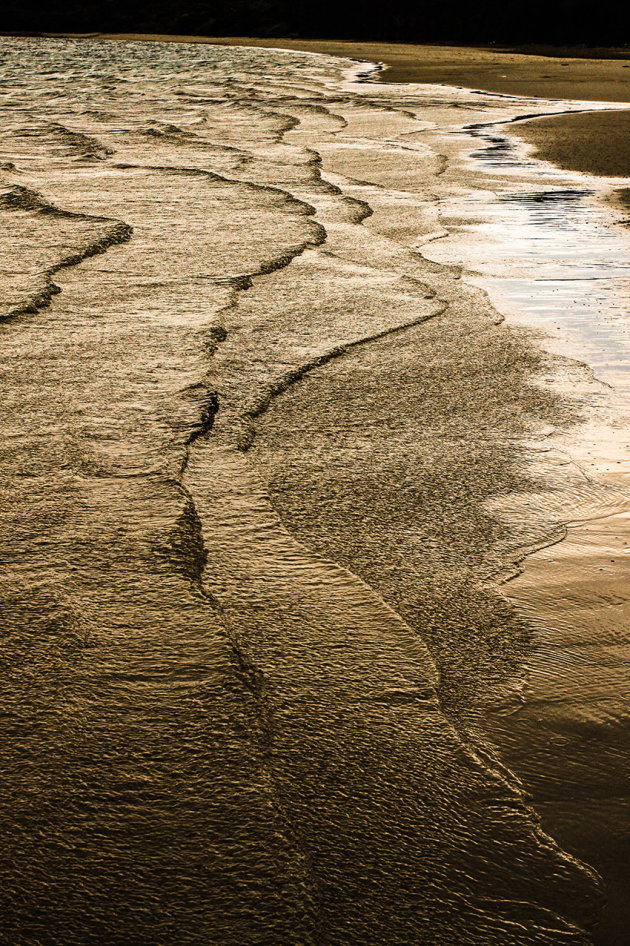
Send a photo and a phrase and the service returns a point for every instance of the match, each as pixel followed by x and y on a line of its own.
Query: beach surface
pixel 269 461
pixel 594 143
pixel 506 72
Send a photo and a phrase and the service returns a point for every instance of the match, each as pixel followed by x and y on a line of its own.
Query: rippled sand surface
pixel 548 72
pixel 262 463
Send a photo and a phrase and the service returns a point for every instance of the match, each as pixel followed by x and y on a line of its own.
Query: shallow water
pixel 213 733
pixel 549 251
pixel 555 257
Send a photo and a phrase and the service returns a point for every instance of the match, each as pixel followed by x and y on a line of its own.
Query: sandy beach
pixel 594 143
pixel 282 603
pixel 501 71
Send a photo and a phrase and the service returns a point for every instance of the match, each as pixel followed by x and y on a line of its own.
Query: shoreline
pixel 503 71
pixel 572 594
pixel 596 143
pixel 338 443
pixel 591 143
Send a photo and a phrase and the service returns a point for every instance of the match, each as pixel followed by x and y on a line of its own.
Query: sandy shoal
pixel 397 492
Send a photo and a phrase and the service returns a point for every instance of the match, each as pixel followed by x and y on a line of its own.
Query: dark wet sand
pixel 622 198
pixel 507 73
pixel 592 142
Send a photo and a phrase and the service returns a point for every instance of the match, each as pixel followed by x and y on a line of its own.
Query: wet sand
pixel 504 72
pixel 591 142
pixel 383 461
pixel 594 143
pixel 622 199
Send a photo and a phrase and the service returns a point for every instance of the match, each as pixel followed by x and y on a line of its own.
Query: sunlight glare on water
pixel 549 251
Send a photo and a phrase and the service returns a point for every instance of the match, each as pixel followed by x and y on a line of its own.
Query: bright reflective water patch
pixel 555 257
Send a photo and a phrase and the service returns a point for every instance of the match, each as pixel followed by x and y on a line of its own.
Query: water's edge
pixel 245 550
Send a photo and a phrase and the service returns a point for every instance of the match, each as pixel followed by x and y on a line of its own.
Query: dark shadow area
pixel 560 22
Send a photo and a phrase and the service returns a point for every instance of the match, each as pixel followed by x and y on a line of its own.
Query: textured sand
pixel 407 439
pixel 505 72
